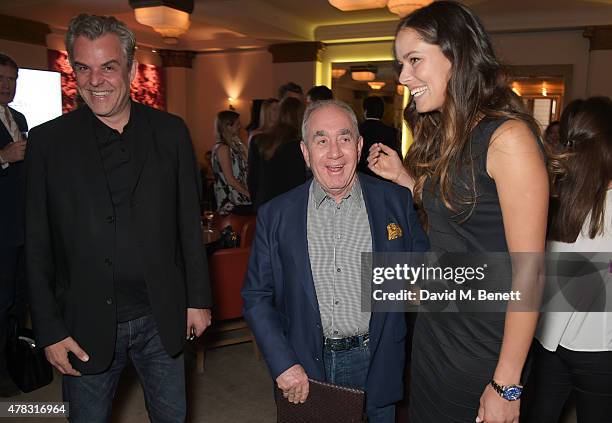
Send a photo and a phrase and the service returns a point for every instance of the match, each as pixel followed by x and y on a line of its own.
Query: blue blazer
pixel 281 306
pixel 12 190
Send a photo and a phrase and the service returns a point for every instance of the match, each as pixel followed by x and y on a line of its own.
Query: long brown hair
pixel 287 129
pixel 269 113
pixel 581 183
pixel 477 88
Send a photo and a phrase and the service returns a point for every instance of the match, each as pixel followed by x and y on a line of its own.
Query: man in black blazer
pixel 12 149
pixel 114 247
pixel 373 130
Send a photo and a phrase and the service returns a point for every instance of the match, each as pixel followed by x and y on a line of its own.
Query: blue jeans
pixel 162 378
pixel 350 368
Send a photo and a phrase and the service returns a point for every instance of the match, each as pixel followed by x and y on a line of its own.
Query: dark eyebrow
pixel 345 131
pixel 405 56
pixel 111 62
pixel 319 133
pixel 80 64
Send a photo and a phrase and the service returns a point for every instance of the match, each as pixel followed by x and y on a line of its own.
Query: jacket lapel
pixel 296 216
pixel 375 205
pixel 142 141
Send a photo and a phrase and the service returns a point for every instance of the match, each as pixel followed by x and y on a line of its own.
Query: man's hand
pixel 13 152
pixel 495 409
pixel 57 355
pixel 198 319
pixel 294 384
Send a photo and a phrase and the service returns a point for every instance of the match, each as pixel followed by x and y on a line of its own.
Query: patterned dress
pixel 227 196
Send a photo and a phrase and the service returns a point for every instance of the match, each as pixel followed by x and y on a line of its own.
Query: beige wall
pixel 241 75
pixel 548 48
pixel 26 55
pixel 600 73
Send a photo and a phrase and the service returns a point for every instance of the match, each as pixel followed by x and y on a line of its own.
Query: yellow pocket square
pixel 393 231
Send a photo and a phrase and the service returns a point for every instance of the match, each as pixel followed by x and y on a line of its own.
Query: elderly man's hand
pixel 294 384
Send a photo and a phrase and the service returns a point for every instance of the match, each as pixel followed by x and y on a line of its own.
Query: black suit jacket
pixel 11 190
pixel 70 233
pixel 374 131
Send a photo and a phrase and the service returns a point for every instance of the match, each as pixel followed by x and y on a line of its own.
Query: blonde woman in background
pixel 229 163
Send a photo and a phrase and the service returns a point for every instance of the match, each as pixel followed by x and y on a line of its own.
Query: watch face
pixel 512 392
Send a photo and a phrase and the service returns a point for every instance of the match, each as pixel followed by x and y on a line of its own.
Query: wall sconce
pixel 376 85
pixel 544 89
pixel 169 18
pixel 231 101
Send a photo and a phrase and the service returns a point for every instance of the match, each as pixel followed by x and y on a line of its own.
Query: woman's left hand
pixel 495 409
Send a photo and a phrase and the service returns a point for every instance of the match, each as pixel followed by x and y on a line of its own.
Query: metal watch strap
pixel 498 388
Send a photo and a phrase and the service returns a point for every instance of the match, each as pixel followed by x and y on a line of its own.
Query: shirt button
pixel 109 301
pixel 337 302
pixel 110 219
pixel 338 236
pixel 336 332
pixel 108 261
pixel 316 358
pixel 338 270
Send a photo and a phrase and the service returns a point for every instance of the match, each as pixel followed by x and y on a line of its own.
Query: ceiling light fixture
pixel 363 73
pixel 406 7
pixel 338 73
pixel 348 5
pixel 376 85
pixel 399 7
pixel 170 18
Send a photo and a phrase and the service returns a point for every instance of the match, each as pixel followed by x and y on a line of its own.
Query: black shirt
pixel 116 149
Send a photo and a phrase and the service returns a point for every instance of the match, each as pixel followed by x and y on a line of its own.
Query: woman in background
pixel 229 164
pixel 573 350
pixel 477 171
pixel 268 116
pixel 275 160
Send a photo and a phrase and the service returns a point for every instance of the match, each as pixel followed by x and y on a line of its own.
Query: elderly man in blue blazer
pixel 302 291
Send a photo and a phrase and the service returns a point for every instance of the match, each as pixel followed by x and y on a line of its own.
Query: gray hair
pixel 94 27
pixel 316 105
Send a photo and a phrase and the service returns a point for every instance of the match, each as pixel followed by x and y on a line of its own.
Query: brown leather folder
pixel 326 403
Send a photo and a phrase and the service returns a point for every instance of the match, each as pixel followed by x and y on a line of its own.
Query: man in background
pixel 319 93
pixel 373 130
pixel 290 89
pixel 13 126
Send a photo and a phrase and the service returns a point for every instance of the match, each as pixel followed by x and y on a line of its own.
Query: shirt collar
pixel 104 132
pixel 354 196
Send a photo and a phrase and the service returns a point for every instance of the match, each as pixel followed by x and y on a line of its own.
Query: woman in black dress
pixel 477 170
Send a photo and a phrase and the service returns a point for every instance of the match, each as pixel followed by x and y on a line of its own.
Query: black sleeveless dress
pixel 454 355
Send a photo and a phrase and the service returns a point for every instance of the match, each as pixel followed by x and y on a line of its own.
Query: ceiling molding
pixel 600 37
pixel 23 30
pixel 363 30
pixel 308 51
pixel 177 59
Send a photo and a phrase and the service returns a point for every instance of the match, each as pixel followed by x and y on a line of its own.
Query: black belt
pixel 342 344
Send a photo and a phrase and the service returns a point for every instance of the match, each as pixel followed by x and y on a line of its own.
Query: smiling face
pixel 425 70
pixel 331 150
pixel 8 83
pixel 103 78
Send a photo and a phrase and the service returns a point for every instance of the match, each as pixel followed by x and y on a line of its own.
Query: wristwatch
pixel 509 393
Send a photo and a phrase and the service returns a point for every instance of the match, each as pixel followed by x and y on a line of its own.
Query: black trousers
pixel 12 294
pixel 554 375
